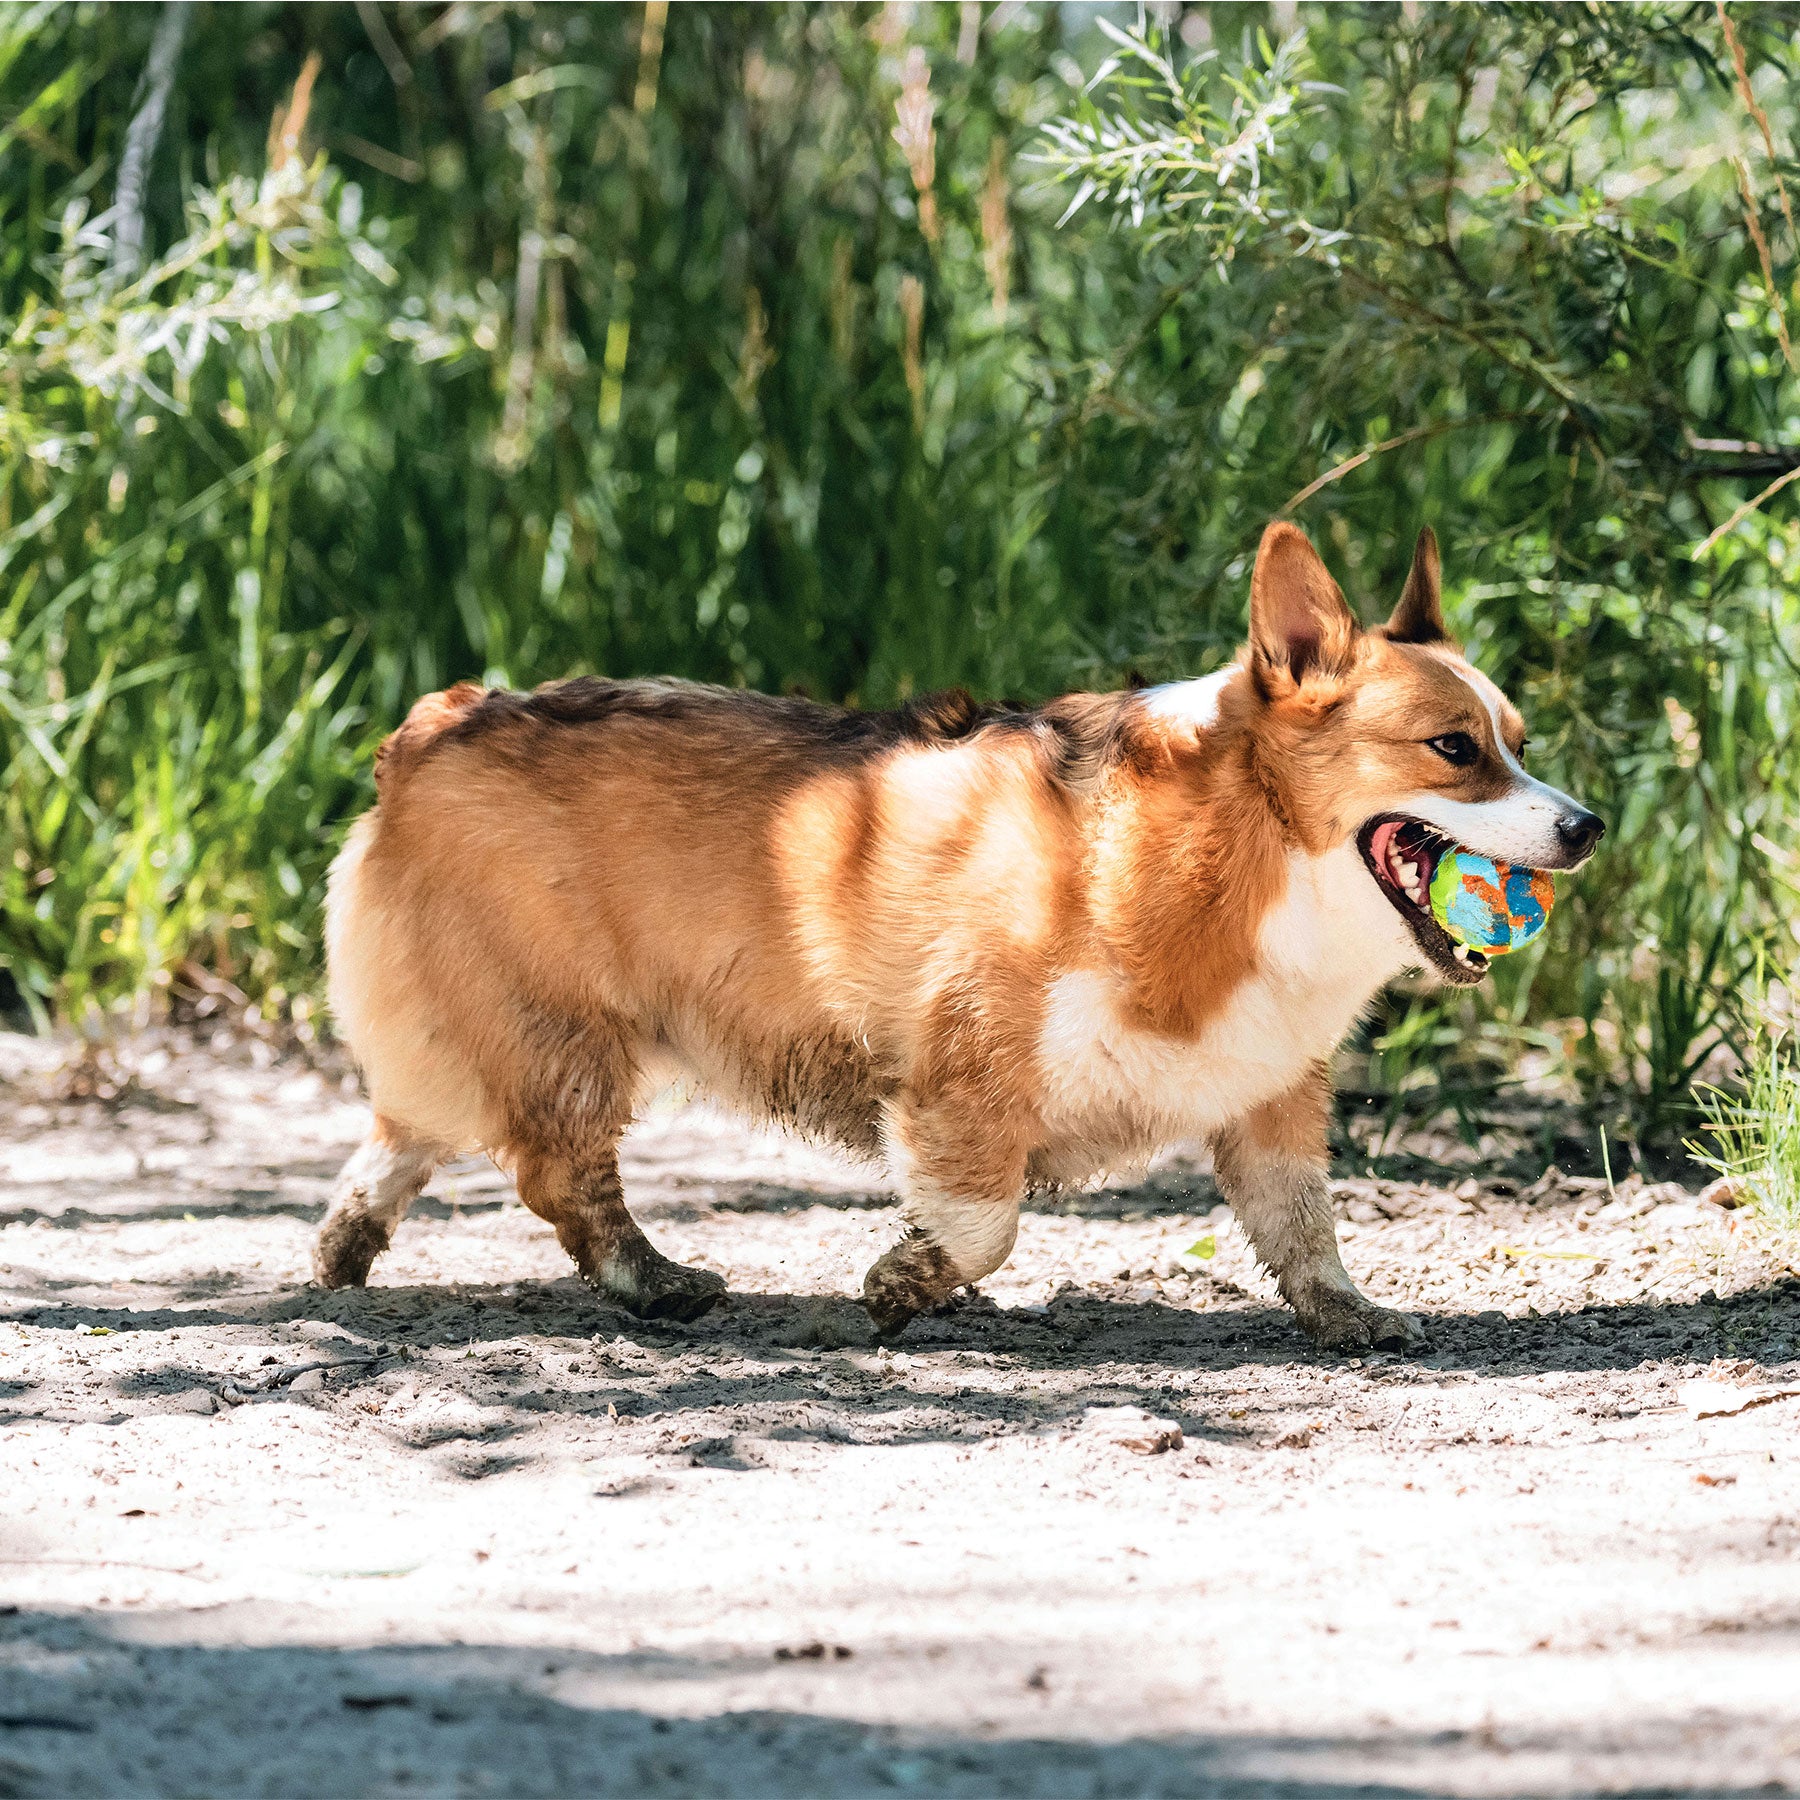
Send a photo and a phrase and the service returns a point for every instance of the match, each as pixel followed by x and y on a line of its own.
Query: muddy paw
pixel 651 1287
pixel 1350 1323
pixel 1390 1330
pixel 912 1278
pixel 346 1249
pixel 691 1293
pixel 889 1314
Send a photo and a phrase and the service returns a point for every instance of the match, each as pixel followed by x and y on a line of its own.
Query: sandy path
pixel 470 1531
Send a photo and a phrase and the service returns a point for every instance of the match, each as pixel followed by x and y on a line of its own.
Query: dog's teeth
pixel 1462 953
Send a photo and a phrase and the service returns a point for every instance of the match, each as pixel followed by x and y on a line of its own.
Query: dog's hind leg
pixel 1271 1165
pixel 564 1149
pixel 380 1181
pixel 581 1196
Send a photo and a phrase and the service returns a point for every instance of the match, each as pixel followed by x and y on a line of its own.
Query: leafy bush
pixel 636 357
pixel 745 343
pixel 1487 267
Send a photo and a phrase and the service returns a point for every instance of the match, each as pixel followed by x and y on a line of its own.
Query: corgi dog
pixel 999 947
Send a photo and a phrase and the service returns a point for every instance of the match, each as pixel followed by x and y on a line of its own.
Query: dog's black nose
pixel 1580 831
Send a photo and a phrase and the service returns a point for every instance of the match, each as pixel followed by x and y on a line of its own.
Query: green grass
pixel 1754 1130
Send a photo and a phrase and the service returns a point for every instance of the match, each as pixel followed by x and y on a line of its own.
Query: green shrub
pixel 753 350
pixel 1486 268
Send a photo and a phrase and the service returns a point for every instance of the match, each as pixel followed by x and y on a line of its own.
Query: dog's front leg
pixel 380 1181
pixel 1271 1165
pixel 962 1176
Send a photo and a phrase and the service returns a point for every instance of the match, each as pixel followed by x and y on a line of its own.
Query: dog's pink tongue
pixel 1382 838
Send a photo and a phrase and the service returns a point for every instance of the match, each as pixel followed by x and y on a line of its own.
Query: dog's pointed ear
pixel 1300 622
pixel 1419 619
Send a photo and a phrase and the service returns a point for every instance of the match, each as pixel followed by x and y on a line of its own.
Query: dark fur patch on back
pixel 1083 733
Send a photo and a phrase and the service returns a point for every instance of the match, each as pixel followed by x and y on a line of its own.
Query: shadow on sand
pixel 92 1711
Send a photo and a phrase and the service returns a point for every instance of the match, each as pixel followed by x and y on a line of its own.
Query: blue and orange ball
pixel 1489 905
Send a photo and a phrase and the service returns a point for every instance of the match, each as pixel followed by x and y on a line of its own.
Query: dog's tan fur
pixel 999 946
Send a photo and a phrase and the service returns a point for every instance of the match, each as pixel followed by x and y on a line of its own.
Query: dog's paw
pixel 649 1286
pixel 1389 1330
pixel 915 1276
pixel 697 1291
pixel 1348 1323
pixel 346 1249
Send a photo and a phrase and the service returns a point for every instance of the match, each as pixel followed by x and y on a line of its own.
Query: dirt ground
pixel 1108 1528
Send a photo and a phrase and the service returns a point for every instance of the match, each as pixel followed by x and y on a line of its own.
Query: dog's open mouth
pixel 1402 855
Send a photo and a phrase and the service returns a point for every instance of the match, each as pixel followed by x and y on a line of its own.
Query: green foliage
pixel 619 361
pixel 175 758
pixel 1755 1133
pixel 540 342
pixel 1487 268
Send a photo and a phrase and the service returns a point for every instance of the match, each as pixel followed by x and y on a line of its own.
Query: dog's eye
pixel 1456 747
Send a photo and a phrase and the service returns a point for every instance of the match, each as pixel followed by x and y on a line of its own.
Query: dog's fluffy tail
pixel 430 717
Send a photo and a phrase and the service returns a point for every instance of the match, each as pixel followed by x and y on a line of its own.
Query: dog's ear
pixel 1300 623
pixel 1419 619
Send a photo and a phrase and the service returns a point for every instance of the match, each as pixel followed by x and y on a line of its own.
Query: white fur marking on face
pixel 1111 1091
pixel 1192 703
pixel 1520 826
pixel 1479 685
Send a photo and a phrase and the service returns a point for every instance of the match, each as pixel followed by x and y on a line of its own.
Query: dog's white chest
pixel 1323 951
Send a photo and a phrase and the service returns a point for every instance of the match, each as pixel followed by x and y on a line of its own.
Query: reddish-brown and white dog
pixel 1001 947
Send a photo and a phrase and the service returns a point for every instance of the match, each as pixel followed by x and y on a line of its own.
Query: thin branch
pixel 1753 225
pixel 393 58
pixel 1744 511
pixel 1406 437
pixel 1776 460
pixel 1757 113
pixel 389 162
